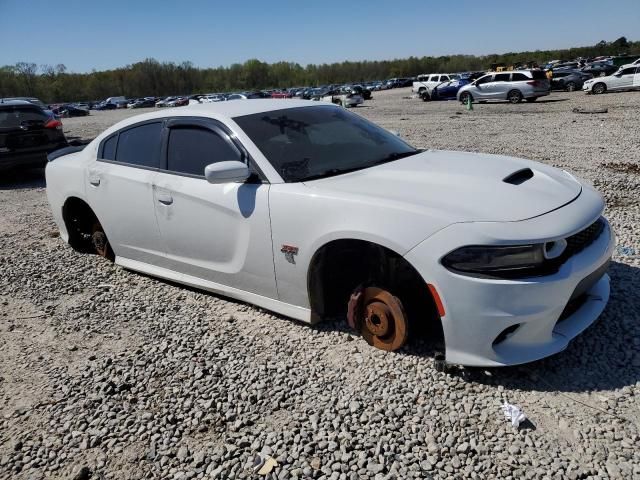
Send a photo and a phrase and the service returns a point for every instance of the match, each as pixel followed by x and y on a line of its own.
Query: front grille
pixel 575 244
pixel 581 240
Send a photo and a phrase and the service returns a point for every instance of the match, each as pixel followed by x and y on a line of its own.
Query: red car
pixel 280 95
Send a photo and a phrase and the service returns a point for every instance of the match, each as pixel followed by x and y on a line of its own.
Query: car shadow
pixel 22 178
pixel 546 100
pixel 552 100
pixel 604 357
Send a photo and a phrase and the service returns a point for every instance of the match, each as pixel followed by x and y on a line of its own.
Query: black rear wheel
pixel 570 86
pixel 466 97
pixel 514 96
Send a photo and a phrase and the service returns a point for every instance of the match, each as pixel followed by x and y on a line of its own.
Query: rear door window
pixel 191 149
pixel 485 79
pixel 519 77
pixel 140 145
pixel 502 77
pixel 629 71
pixel 109 148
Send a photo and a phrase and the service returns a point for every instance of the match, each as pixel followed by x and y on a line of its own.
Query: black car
pixel 600 69
pixel 105 106
pixel 569 80
pixel 70 110
pixel 144 102
pixel 365 93
pixel 27 134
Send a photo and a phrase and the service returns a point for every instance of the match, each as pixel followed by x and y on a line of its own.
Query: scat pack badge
pixel 289 252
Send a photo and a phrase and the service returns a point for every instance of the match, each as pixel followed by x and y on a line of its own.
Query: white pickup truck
pixel 428 82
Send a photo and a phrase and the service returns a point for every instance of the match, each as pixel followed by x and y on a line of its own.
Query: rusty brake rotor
pixel 381 319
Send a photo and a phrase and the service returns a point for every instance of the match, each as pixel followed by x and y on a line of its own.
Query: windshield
pixel 306 143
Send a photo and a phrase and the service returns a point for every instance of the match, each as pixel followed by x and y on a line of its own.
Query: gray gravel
pixel 105 373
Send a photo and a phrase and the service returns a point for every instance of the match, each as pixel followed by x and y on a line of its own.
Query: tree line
pixel 153 78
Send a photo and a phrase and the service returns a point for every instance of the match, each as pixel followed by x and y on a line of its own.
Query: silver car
pixel 510 86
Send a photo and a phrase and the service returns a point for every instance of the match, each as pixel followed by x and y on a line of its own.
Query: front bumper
pixel 479 310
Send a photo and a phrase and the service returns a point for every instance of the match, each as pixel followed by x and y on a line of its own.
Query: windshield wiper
pixel 333 172
pixel 396 156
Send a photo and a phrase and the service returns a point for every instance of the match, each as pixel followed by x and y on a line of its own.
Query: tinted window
pixel 538 75
pixel 191 149
pixel 140 145
pixel 109 148
pixel 434 78
pixel 444 78
pixel 14 116
pixel 628 71
pixel 502 77
pixel 518 77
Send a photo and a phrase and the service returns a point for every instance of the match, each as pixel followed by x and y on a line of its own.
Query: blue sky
pixel 93 34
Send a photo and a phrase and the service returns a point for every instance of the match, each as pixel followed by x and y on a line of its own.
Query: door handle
pixel 165 198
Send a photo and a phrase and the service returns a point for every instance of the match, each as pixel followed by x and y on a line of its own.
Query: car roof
pixel 4 102
pixel 249 107
pixel 217 110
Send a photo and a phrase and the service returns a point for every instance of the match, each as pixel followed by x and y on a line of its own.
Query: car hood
pixel 458 186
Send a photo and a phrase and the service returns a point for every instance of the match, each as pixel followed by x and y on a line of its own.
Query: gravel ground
pixel 111 374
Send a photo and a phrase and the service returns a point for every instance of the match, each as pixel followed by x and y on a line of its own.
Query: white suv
pixel 511 86
pixel 626 78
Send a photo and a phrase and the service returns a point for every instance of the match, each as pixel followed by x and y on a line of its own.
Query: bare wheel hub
pixel 384 324
pixel 100 241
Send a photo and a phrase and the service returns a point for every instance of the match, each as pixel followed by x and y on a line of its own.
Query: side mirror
pixel 226 172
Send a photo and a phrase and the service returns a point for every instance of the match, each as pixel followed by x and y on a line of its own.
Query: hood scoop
pixel 519 177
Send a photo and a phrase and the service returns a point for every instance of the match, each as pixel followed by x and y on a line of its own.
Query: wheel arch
pixel 79 220
pixel 350 262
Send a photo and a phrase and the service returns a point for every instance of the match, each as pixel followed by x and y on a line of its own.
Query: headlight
pixel 489 259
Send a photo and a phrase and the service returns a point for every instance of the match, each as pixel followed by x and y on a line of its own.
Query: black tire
pixel 531 99
pixel 514 96
pixel 599 88
pixel 465 97
pixel 570 86
pixel 421 89
pixel 425 96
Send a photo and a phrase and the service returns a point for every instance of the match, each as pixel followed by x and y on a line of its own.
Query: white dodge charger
pixel 312 212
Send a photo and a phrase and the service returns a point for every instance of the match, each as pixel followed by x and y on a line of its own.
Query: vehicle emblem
pixel 289 252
